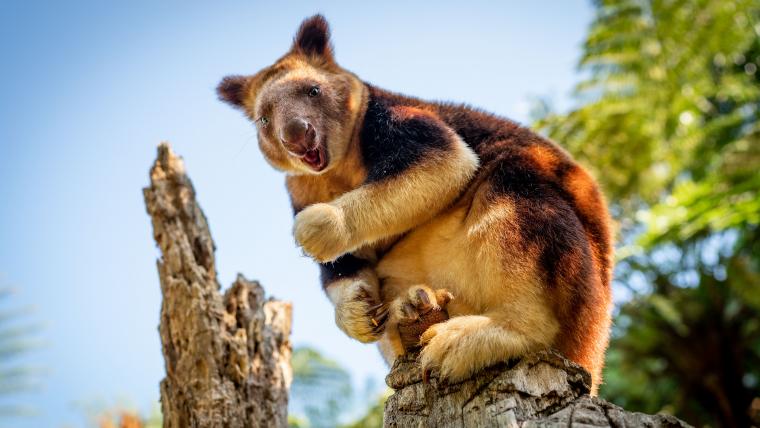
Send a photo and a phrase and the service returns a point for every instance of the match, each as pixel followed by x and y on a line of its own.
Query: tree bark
pixel 540 390
pixel 227 356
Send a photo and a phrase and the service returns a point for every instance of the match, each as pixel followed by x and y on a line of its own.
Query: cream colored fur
pixel 380 210
pixel 349 296
pixel 499 309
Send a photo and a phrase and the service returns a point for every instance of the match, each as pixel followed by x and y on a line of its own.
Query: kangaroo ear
pixel 313 38
pixel 232 90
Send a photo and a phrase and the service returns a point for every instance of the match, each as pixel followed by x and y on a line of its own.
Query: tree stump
pixel 227 356
pixel 540 390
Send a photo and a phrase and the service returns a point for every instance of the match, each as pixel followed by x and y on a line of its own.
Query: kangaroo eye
pixel 263 121
pixel 314 91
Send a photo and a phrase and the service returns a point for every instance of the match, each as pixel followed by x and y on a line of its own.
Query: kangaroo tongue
pixel 312 157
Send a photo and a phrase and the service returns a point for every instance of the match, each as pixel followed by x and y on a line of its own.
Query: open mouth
pixel 316 158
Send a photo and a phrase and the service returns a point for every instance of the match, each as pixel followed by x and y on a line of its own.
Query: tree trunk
pixel 227 357
pixel 540 390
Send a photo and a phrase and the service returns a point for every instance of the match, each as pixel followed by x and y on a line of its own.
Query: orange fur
pixel 491 212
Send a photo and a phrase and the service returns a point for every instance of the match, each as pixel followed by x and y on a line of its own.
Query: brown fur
pixel 503 219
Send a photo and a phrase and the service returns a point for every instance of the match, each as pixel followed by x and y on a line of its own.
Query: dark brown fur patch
pixel 313 38
pixel 394 138
pixel 345 266
pixel 232 90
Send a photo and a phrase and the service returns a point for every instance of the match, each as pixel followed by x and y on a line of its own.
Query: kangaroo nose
pixel 297 136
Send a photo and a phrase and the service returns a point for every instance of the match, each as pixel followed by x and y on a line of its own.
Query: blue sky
pixel 88 90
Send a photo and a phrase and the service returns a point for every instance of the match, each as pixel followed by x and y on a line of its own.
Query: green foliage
pixel 322 396
pixel 693 350
pixel 16 378
pixel 373 418
pixel 671 98
pixel 669 121
pixel 321 389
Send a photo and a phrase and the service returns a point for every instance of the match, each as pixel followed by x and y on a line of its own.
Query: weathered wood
pixel 540 390
pixel 227 357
